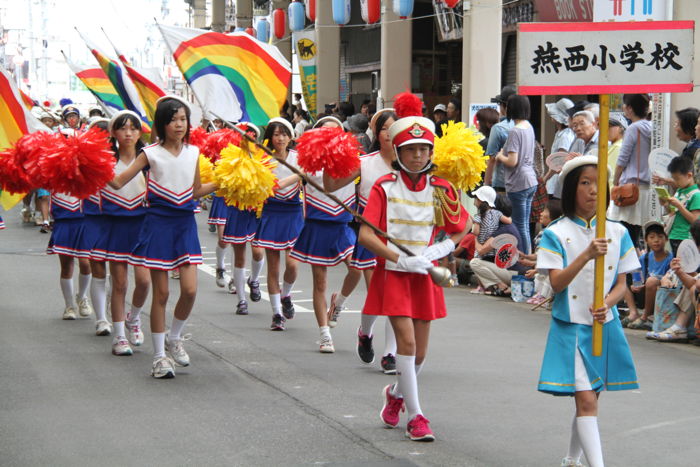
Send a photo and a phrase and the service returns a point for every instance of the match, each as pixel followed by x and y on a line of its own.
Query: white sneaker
pixel 220 279
pixel 177 351
pixel 103 328
pixel 69 313
pixel 231 287
pixel 163 368
pixel 326 345
pixel 133 332
pixel 84 308
pixel 120 347
pixel 333 312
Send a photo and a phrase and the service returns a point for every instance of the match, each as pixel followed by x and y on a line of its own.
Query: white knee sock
pixel 176 328
pixel 255 269
pixel 408 383
pixel 276 304
pixel 287 288
pixel 325 331
pixel 419 368
pixel 575 449
pixel 367 324
pixel 239 282
pixel 158 344
pixel 119 330
pixel 590 440
pixel 220 257
pixel 67 291
pixel 83 284
pixel 340 300
pixel 98 295
pixel 135 314
pixel 389 338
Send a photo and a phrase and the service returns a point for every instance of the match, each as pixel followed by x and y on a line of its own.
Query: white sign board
pixel 605 58
pixel 629 10
pixel 474 108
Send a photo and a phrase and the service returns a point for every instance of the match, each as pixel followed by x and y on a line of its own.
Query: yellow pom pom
pixel 206 169
pixel 459 157
pixel 245 178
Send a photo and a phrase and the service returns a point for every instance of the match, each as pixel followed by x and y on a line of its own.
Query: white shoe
pixel 326 345
pixel 177 351
pixel 120 347
pixel 569 462
pixel 231 287
pixel 103 328
pixel 220 280
pixel 84 308
pixel 133 332
pixel 69 313
pixel 163 368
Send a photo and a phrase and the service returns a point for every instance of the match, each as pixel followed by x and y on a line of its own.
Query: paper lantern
pixel 450 3
pixel 403 8
pixel 278 20
pixel 371 11
pixel 296 16
pixel 341 11
pixel 263 30
pixel 251 31
pixel 311 10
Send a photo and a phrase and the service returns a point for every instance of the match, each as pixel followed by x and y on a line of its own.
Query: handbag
pixel 628 194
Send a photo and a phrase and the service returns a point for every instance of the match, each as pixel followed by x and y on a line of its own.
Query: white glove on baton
pixel 418 264
pixel 439 250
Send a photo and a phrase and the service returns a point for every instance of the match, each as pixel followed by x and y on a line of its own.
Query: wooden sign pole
pixel 601 208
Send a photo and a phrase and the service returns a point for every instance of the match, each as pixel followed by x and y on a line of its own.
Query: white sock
pixel 367 324
pixel 340 300
pixel 389 338
pixel 67 291
pixel 83 284
pixel 408 383
pixel 276 303
pixel 135 314
pixel 325 331
pixel 255 269
pixel 239 282
pixel 119 330
pixel 287 288
pixel 158 344
pixel 98 295
pixel 220 257
pixel 419 368
pixel 590 440
pixel 575 449
pixel 176 328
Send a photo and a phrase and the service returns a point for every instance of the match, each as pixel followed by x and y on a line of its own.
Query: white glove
pixel 418 264
pixel 439 250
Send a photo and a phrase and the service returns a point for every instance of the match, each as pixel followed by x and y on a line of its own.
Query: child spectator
pixel 686 202
pixel 655 264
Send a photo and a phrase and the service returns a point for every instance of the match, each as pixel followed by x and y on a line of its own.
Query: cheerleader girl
pixel 280 223
pixel 373 166
pixel 566 251
pixel 404 204
pixel 123 212
pixel 168 237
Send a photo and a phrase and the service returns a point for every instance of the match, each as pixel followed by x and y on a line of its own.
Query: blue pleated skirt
pixel 240 226
pixel 65 238
pixel 279 226
pixel 167 242
pixel 119 238
pixel 2 223
pixel 93 228
pixel 217 211
pixel 324 243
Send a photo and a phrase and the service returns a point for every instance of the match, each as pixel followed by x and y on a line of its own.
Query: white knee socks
pixel 590 440
pixel 135 314
pixel 67 291
pixel 276 303
pixel 239 282
pixel 575 449
pixel 287 288
pixel 220 257
pixel 255 269
pixel 158 344
pixel 367 324
pixel 408 383
pixel 176 328
pixel 98 295
pixel 83 284
pixel 389 338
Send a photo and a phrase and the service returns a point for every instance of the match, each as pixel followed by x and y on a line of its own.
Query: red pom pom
pixel 408 105
pixel 13 178
pixel 198 137
pixel 34 146
pixel 329 149
pixel 218 140
pixel 19 165
pixel 81 165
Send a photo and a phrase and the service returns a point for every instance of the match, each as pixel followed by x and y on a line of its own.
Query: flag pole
pixel 601 208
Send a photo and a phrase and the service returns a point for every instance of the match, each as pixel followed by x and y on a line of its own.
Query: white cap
pixel 486 194
pixel 177 98
pixel 574 163
pixel 440 107
pixel 284 122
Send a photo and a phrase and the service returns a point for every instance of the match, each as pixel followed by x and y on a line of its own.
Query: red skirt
pixel 396 293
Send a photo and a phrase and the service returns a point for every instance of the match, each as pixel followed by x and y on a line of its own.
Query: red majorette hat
pixel 411 127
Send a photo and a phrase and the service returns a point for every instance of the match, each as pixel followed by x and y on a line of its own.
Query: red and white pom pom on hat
pixel 411 127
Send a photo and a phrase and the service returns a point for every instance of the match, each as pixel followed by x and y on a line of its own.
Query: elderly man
pixel 583 124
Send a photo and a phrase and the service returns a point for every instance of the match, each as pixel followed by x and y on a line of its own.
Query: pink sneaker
pixel 418 429
pixel 392 406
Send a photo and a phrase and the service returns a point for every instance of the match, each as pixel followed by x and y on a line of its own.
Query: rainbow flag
pixel 99 85
pixel 26 100
pixel 234 76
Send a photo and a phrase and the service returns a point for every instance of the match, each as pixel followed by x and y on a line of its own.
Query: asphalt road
pixel 255 397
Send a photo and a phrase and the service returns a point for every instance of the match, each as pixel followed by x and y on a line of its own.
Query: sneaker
pixel 45 228
pixel 26 215
pixel 478 290
pixel 133 332
pixel 672 335
pixel 277 323
pixel 254 287
pixel 418 429
pixel 326 345
pixel 84 308
pixel 364 348
pixel 389 364
pixel 121 348
pixel 163 368
pixel 333 312
pixel 103 328
pixel 242 308
pixel 212 228
pixel 177 351
pixel 175 274
pixel 287 307
pixel 231 287
pixel 640 324
pixel 392 407
pixel 69 313
pixel 220 281
pixel 569 462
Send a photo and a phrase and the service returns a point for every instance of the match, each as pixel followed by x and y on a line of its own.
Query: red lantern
pixel 451 3
pixel 311 10
pixel 279 22
pixel 371 11
pixel 250 31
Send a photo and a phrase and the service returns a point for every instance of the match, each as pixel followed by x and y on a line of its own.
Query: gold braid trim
pixel 444 203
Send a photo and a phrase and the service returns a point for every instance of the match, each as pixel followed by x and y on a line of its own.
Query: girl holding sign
pixel 566 252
